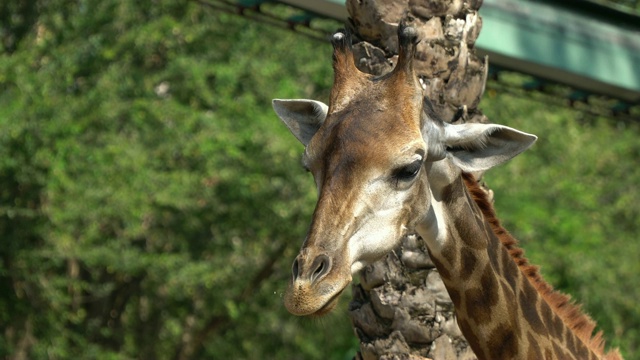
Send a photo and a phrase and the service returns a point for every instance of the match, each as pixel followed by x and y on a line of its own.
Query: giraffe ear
pixel 303 117
pixel 478 147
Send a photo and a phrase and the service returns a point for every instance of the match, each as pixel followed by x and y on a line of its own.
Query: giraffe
pixel 385 167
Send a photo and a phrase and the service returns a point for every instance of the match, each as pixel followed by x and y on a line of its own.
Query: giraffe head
pixel 376 154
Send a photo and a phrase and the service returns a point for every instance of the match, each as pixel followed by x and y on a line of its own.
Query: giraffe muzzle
pixel 319 268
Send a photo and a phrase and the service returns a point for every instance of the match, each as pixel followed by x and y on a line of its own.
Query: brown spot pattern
pixel 504 343
pixel 507 265
pixel 548 354
pixel 528 300
pixel 450 253
pixel 471 338
pixel 480 301
pixel 442 270
pixel 468 265
pixel 455 297
pixel 533 352
pixel 558 353
pixel 468 235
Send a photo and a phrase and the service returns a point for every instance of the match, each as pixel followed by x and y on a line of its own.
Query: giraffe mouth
pixel 329 305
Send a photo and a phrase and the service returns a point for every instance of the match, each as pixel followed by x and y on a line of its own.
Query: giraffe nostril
pixel 294 269
pixel 321 266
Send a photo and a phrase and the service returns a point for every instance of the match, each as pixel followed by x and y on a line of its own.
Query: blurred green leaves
pixel 151 201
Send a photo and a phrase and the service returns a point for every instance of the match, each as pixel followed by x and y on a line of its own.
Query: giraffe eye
pixel 407 172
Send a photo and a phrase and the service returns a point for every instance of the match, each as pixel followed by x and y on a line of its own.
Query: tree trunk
pixel 401 309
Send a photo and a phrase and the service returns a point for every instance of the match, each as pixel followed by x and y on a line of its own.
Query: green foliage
pixel 151 203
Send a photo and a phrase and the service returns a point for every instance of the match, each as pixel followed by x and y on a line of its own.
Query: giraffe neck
pixel 504 308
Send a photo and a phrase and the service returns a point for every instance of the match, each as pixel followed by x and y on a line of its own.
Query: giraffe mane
pixel 571 313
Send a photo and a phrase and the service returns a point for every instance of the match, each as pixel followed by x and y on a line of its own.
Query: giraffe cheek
pixel 373 240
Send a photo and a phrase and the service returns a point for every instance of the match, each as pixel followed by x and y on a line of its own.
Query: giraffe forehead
pixel 367 139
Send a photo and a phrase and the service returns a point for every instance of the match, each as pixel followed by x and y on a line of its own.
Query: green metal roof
pixel 564 45
pixel 579 43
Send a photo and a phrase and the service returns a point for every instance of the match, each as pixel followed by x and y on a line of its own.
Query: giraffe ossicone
pixel 385 167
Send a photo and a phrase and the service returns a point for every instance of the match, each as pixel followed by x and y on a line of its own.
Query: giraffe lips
pixel 329 305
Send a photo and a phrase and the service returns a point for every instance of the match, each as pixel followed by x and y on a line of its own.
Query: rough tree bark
pixel 401 309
